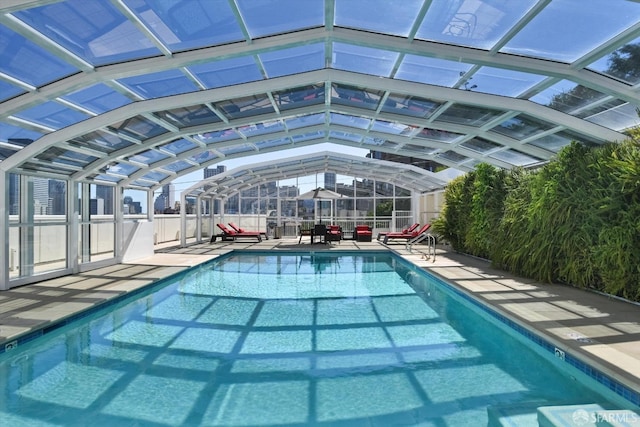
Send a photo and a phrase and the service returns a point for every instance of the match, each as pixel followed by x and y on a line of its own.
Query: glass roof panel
pixel 138 127
pixel 364 60
pixel 155 176
pixel 107 178
pixel 246 106
pixel 122 169
pixel 599 108
pixel 261 128
pixel 357 97
pixel 309 136
pixel 293 60
pixel 500 81
pixel 185 25
pixel 28 62
pixel 94 30
pixel 345 135
pixel 434 71
pixel 52 114
pixel 8 91
pixel 522 126
pixel 351 121
pixel 475 23
pixel 73 157
pixel 189 116
pixel 418 150
pixel 227 72
pixel 203 156
pixel 300 96
pixel 98 98
pixel 480 145
pixel 102 141
pixel 622 63
pixel 237 148
pixel 567 30
pixel 270 143
pixel 144 184
pixel 177 147
pixel 438 135
pixel 468 115
pixel 304 121
pixel 409 105
pixel 267 17
pixel 567 96
pixel 148 157
pixel 217 136
pixel 619 118
pixel 373 15
pixel 21 136
pixel 178 166
pixel 514 157
pixel 156 85
pixel 393 128
pixel 452 156
pixel 555 142
pixel 370 140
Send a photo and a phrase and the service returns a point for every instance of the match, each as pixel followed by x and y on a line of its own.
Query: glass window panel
pixel 98 98
pixel 308 136
pixel 148 157
pixel 57 153
pixel 416 150
pixel 146 184
pixel 476 23
pixel 189 116
pixel 52 114
pixel 246 106
pixel 138 127
pixel 267 17
pixel 567 30
pixel 369 140
pixel 345 136
pixel 261 128
pixel 8 91
pixel 102 141
pixel 46 168
pixel 453 156
pixel 217 136
pixel 6 152
pixel 304 121
pixel 29 63
pixel 480 145
pixel 619 119
pixel 351 121
pixel 586 112
pixel 300 97
pixel 373 15
pixel 203 156
pixel 364 60
pixel 357 97
pixel 17 135
pixel 156 85
pixel 555 142
pixel 235 149
pixel 440 72
pixel 122 169
pixel 402 192
pixel 52 250
pixel 623 63
pixel 92 29
pixel 178 166
pixel 227 72
pixel 567 96
pixel 177 147
pixel 468 115
pixel 499 81
pixel 438 135
pixel 107 178
pixel 155 176
pixel 134 202
pixel 409 105
pixel 392 127
pixel 272 143
pixel 514 157
pixel 184 25
pixel 294 60
pixel 522 126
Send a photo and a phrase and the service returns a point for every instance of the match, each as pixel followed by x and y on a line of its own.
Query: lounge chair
pixel 406 236
pixel 230 234
pixel 334 233
pixel 362 233
pixel 242 230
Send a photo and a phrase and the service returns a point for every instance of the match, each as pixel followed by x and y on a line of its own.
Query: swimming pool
pixel 287 339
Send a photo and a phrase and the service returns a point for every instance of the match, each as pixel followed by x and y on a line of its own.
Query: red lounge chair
pixel 334 233
pixel 411 229
pixel 362 233
pixel 406 236
pixel 229 234
pixel 242 230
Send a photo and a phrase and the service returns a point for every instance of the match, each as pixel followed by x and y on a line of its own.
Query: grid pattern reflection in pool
pixel 295 339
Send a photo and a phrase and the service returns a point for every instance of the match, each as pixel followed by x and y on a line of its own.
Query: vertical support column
pixel 85 228
pixel 119 225
pixel 27 224
pixel 4 230
pixel 183 220
pixel 198 219
pixel 151 214
pixel 73 232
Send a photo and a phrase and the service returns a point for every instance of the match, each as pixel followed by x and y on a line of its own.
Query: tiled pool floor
pixel 601 330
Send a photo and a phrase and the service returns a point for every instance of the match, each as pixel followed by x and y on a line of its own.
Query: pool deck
pixel 599 330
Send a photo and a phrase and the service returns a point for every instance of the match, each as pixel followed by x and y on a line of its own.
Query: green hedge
pixel 576 220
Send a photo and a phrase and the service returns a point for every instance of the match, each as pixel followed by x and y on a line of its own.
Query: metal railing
pixel 431 245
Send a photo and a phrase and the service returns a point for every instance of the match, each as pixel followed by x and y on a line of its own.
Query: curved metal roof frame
pixel 74 151
pixel 233 181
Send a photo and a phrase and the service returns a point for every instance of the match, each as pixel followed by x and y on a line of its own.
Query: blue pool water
pixel 300 339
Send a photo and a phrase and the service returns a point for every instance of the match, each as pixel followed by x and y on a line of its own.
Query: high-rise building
pixel 209 172
pixel 105 193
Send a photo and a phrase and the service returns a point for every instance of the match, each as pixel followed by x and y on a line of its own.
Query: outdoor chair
pixel 242 230
pixel 230 234
pixel 362 233
pixel 406 236
pixel 334 233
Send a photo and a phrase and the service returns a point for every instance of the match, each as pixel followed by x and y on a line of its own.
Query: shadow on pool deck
pixel 603 331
